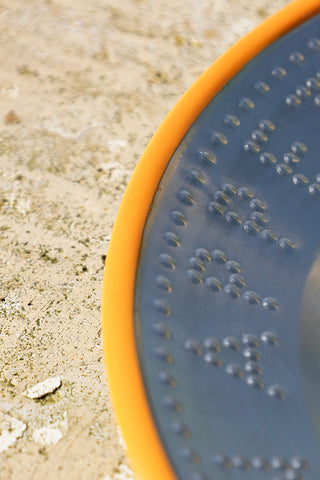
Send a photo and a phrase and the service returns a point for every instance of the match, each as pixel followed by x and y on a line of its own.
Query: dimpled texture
pixel 224 300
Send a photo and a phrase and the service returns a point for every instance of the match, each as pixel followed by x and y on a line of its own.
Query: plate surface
pixel 228 282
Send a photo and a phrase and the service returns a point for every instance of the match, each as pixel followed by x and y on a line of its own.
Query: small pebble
pixel 43 388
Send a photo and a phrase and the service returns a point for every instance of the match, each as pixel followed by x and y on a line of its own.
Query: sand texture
pixel 83 86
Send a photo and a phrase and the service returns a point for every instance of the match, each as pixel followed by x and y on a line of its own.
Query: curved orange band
pixel 146 452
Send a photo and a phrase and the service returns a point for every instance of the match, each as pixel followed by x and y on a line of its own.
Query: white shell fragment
pixel 47 435
pixel 10 430
pixel 117 145
pixel 43 388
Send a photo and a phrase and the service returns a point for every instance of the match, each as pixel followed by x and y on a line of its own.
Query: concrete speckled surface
pixel 83 86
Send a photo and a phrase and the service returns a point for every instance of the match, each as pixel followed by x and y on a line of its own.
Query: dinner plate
pixel 211 301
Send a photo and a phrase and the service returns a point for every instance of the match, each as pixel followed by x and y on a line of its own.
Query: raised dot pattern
pixel 310 87
pixel 288 167
pixel 235 283
pixel 229 200
pixel 245 362
pixel 212 350
pixel 293 468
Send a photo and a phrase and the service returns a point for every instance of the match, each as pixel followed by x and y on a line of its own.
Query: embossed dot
pixel 178 218
pixel 229 189
pixel 197 264
pixel 173 404
pixel 296 58
pixel 267 158
pixel 191 455
pixel 258 205
pixel 193 346
pixel 195 176
pixel 314 44
pixel 232 291
pixel 234 370
pixel 221 197
pixel 213 359
pixel 231 120
pixel 161 329
pixel 251 227
pixel 212 344
pixel 300 180
pixel 199 476
pixel 214 284
pixel 268 236
pixel 172 239
pixel 293 100
pixel 250 340
pixel 254 381
pixel 253 367
pixel 292 475
pixel 299 463
pixel 167 261
pixel 313 83
pixel 286 244
pixel 262 87
pixel 291 158
pixel 260 464
pixel 194 276
pixel 180 429
pixel 259 136
pixel 163 354
pixel 245 194
pixel 299 148
pixel 317 100
pixel 168 379
pixel 251 354
pixel 283 169
pixel 231 343
pixel 279 73
pixel 185 197
pixel 219 256
pixel 219 138
pixel 222 460
pixel 267 125
pixel 246 104
pixel 269 338
pixel 233 218
pixel 303 92
pixel 276 392
pixel 279 463
pixel 240 462
pixel 164 284
pixel 270 303
pixel 232 266
pixel 258 218
pixel 202 254
pixel 314 189
pixel 216 208
pixel 208 157
pixel 251 297
pixel 162 307
pixel 237 280
pixel 251 147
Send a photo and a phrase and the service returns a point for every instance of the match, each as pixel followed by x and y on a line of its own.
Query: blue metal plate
pixel 227 303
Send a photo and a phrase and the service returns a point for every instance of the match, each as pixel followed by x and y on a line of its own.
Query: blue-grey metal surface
pixel 227 305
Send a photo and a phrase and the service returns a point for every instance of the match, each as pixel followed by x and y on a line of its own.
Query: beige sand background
pixel 83 86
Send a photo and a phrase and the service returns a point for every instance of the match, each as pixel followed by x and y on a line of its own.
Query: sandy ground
pixel 83 86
